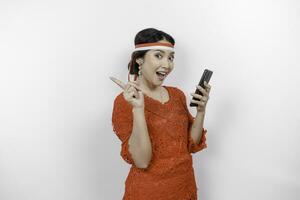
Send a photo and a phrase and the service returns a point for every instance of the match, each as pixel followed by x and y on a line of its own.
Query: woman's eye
pixel 158 55
pixel 171 58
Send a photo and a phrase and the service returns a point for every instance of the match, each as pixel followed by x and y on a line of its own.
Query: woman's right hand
pixel 132 93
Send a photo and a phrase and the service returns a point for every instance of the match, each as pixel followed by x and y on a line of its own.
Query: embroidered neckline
pixel 157 101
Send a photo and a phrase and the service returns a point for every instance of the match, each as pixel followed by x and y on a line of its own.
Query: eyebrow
pixel 164 52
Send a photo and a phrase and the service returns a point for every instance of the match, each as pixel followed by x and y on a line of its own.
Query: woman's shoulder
pixel 119 97
pixel 176 90
pixel 120 101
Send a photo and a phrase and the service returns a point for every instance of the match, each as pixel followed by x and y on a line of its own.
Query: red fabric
pixel 170 174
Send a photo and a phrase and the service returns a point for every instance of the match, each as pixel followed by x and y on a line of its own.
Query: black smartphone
pixel 205 77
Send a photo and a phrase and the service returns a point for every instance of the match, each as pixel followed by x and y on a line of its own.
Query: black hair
pixel 146 36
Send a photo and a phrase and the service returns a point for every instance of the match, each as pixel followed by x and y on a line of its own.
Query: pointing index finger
pixel 117 81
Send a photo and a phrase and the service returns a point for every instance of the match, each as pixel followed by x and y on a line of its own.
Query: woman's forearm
pixel 139 142
pixel 197 126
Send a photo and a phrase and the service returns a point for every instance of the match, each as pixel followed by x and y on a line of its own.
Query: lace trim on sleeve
pixel 193 147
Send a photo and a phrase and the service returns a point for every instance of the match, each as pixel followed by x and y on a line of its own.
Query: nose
pixel 166 64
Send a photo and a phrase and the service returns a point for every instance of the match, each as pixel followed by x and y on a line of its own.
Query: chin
pixel 158 83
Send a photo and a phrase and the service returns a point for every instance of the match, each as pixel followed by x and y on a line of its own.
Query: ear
pixel 139 61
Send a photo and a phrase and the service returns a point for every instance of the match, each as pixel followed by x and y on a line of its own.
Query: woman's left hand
pixel 202 99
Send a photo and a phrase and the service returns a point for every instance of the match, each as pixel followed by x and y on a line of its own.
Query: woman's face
pixel 157 64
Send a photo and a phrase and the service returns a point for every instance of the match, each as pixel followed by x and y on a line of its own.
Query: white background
pixel 56 138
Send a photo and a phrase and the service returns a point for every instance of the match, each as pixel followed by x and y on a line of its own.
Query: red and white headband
pixel 154 45
pixel 148 46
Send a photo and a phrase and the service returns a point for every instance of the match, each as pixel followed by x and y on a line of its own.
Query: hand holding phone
pixel 205 77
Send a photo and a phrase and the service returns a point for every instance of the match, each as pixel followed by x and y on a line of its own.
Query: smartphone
pixel 205 77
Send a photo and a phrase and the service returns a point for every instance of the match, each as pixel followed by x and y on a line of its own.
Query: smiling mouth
pixel 161 75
